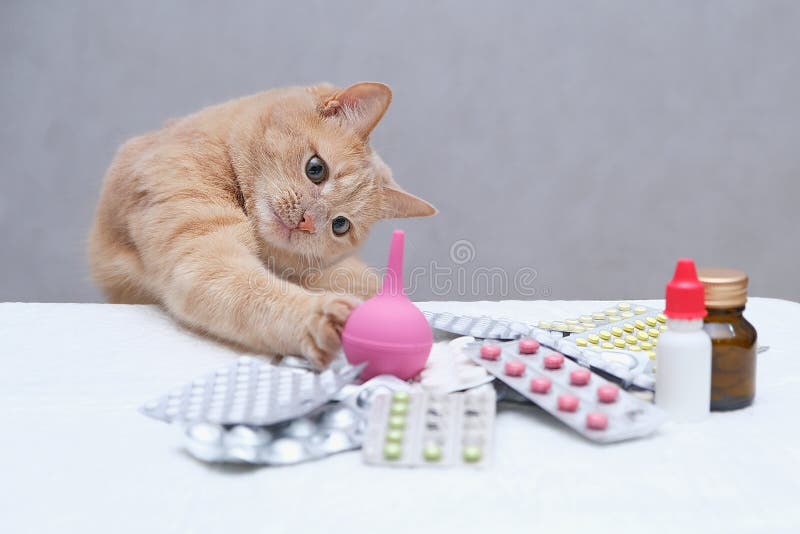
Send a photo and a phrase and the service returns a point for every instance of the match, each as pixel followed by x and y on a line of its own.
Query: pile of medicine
pixel 587 372
pixel 258 412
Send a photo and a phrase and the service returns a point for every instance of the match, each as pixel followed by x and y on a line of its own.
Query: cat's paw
pixel 322 328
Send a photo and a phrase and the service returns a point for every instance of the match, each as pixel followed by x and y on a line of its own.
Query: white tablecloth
pixel 76 456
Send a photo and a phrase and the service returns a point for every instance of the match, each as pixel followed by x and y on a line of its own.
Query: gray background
pixel 592 142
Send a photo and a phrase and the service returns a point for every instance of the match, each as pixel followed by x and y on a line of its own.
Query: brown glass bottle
pixel 733 339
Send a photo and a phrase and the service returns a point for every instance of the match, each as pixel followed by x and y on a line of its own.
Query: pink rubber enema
pixel 388 331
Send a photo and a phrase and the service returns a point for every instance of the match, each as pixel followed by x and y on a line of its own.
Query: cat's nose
pixel 307 224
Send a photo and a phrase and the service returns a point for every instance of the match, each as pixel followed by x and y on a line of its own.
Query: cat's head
pixel 315 185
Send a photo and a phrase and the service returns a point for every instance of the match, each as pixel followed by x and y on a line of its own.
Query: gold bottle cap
pixel 725 288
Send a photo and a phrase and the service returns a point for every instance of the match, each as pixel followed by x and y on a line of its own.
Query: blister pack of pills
pixel 483 327
pixel 334 427
pixel 584 401
pixel 638 333
pixel 629 367
pixel 619 313
pixel 449 369
pixel 251 391
pixel 423 428
pixel 331 428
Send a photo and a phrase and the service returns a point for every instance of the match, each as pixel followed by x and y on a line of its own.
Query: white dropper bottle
pixel 683 353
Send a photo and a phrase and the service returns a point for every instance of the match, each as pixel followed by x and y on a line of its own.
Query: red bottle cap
pixel 685 293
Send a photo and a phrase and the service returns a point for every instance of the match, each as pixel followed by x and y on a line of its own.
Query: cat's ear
pixel 361 106
pixel 399 204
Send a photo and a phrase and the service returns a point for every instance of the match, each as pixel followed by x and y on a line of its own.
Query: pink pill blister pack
pixel 423 428
pixel 630 364
pixel 581 399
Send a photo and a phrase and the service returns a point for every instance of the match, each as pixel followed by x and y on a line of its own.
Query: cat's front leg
pixel 208 275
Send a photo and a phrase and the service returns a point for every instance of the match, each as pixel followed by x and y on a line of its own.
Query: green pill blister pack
pixel 419 428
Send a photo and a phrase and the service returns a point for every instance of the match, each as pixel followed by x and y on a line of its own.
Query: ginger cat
pixel 242 219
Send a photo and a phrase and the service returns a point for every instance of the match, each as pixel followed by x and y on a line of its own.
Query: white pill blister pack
pixel 251 391
pixel 584 401
pixel 422 428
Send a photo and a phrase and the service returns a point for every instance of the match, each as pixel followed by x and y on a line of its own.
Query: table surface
pixel 76 456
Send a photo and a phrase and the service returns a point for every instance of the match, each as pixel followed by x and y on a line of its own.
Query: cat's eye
pixel 316 170
pixel 340 225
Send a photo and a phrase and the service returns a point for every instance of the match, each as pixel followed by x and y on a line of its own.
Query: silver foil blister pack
pixel 423 428
pixel 334 427
pixel 584 401
pixel 251 391
pixel 483 327
pixel 331 428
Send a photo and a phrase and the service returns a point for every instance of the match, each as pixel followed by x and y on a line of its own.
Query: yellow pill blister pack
pixel 629 330
pixel 614 316
pixel 639 332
